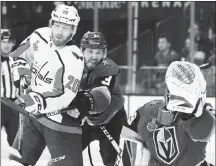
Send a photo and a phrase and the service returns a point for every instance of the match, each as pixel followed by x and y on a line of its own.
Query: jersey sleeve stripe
pixel 41 37
pixel 21 49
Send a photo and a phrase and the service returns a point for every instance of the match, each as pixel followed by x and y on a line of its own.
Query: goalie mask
pixel 185 93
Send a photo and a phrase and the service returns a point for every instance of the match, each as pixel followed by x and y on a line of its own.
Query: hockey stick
pixel 115 145
pixel 205 66
pixel 22 111
pixel 21 118
pixel 110 138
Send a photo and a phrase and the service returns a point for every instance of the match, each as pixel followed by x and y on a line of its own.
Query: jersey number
pixel 107 81
pixel 73 84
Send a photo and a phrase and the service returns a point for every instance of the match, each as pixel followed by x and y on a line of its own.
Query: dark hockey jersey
pixel 180 144
pixel 104 74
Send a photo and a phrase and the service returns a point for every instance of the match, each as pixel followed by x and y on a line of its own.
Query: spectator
pixel 198 57
pixel 165 54
pixel 203 43
pixel 211 59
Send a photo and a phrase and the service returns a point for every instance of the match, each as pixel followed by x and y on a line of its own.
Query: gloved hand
pixel 20 69
pixel 208 107
pixel 32 102
pixel 25 81
pixel 83 102
pixel 199 110
pixel 74 113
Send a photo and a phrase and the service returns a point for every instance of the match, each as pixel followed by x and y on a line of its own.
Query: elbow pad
pixel 93 102
pixel 102 99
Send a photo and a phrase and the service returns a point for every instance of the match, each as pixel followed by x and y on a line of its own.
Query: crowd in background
pixel 204 49
pixel 33 15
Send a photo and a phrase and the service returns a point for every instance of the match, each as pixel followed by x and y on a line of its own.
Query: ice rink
pixel 96 156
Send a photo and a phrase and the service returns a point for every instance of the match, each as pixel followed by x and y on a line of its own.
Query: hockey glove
pixel 83 102
pixel 20 68
pixel 32 102
pixel 206 107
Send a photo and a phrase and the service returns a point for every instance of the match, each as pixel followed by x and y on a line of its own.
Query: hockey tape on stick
pixel 205 66
pixel 22 111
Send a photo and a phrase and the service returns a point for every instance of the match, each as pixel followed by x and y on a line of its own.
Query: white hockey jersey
pixel 55 71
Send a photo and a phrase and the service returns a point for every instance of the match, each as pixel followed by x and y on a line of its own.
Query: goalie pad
pixel 102 99
pixel 133 148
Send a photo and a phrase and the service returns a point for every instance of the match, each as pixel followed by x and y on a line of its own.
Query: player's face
pixel 163 44
pixel 92 57
pixel 61 33
pixel 6 47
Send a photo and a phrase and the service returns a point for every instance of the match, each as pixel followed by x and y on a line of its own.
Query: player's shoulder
pixel 106 67
pixel 150 109
pixel 75 51
pixel 42 33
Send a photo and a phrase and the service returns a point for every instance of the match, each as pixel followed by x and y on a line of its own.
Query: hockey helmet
pixel 93 40
pixel 66 14
pixel 5 34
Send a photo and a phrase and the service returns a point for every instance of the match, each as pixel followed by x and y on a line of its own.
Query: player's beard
pixel 60 40
pixel 90 65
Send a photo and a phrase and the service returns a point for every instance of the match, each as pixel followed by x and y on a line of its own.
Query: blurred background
pixel 143 37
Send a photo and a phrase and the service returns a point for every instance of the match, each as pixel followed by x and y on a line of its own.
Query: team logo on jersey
pixel 154 103
pixel 43 77
pixel 35 45
pixel 152 125
pixel 85 75
pixel 104 62
pixel 166 144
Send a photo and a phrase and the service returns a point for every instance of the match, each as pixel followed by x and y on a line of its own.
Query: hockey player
pixel 100 93
pixel 52 69
pixel 176 131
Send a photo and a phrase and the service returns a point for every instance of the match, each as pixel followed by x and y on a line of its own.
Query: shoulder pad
pixel 106 68
pixel 150 109
pixel 43 33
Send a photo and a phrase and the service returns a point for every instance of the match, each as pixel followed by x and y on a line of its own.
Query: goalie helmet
pixel 186 90
pixel 93 40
